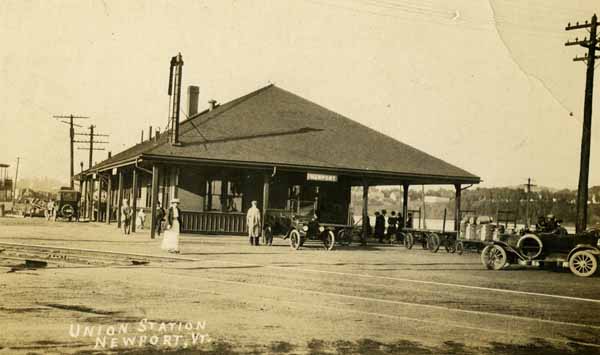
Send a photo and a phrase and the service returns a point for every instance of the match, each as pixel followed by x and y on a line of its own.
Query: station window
pixel 224 196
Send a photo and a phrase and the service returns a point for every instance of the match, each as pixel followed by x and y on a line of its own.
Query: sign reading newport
pixel 321 177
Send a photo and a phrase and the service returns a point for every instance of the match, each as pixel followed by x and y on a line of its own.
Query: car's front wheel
pixel 295 241
pixel 493 257
pixel 583 263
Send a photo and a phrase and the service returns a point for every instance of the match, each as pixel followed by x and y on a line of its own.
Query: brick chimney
pixel 192 103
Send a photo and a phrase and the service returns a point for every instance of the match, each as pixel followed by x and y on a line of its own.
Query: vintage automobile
pixel 301 224
pixel 67 204
pixel 557 249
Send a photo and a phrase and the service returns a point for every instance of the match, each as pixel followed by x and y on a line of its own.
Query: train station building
pixel 271 146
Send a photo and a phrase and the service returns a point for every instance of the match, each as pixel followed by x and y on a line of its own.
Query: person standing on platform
pixel 392 228
pixel 141 219
pixel 254 223
pixel 126 214
pixel 160 217
pixel 380 225
pixel 170 241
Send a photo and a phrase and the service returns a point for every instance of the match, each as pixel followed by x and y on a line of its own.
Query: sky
pixel 486 85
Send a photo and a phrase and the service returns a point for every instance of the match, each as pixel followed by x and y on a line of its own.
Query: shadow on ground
pixel 366 347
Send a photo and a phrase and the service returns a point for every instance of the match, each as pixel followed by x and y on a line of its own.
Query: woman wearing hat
pixel 170 241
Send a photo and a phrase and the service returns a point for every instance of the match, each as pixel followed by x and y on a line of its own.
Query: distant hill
pixel 45 184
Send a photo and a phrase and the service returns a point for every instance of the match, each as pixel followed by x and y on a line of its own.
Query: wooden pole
pixel 99 215
pixel 91 207
pixel 265 205
pixel 582 191
pixel 365 214
pixel 109 198
pixel 154 203
pixel 134 199
pixel 120 198
pixel 457 201
pixel 405 204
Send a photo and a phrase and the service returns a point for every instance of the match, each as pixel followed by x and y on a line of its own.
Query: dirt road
pixel 224 296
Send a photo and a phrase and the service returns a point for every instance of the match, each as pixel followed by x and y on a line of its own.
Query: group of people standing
pixel 171 224
pixel 394 223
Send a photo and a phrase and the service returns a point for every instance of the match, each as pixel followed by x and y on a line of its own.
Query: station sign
pixel 114 171
pixel 321 177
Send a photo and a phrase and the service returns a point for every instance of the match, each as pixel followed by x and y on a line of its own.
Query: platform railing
pixel 213 222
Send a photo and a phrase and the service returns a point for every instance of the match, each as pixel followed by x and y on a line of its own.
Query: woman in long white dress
pixel 170 241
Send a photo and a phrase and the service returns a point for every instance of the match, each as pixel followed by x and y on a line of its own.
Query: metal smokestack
pixel 175 93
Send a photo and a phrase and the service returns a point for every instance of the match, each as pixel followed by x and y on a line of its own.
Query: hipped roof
pixel 273 127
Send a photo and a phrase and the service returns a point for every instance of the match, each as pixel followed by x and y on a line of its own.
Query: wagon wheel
pixel 344 238
pixel 450 245
pixel 493 257
pixel 433 242
pixel 583 263
pixel 328 240
pixel 460 248
pixel 424 241
pixel 295 239
pixel 408 240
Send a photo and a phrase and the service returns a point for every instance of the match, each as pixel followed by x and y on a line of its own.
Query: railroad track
pixel 35 256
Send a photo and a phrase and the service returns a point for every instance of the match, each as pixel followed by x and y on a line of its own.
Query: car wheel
pixel 408 240
pixel 295 239
pixel 341 238
pixel 328 240
pixel 583 263
pixel 493 257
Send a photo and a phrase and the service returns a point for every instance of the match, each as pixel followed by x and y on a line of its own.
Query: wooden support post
pixel 134 199
pixel 83 203
pixel 457 199
pixel 120 198
pixel 99 215
pixel 365 214
pixel 265 205
pixel 109 198
pixel 154 199
pixel 91 206
pixel 405 204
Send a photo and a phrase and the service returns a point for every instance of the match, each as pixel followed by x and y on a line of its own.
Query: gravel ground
pixel 224 296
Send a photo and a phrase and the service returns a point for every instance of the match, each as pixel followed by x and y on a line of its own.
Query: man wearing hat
pixel 126 213
pixel 254 223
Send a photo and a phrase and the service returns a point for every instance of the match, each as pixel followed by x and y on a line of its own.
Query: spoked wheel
pixel 424 241
pixel 460 248
pixel 295 241
pixel 493 257
pixel 433 242
pixel 344 238
pixel 409 241
pixel 583 263
pixel 328 240
pixel 450 245
pixel 400 237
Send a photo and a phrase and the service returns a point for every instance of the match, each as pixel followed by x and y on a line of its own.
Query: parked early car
pixel 68 204
pixel 578 252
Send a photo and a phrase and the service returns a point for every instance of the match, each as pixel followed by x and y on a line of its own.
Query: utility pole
pixel 527 217
pixel 92 135
pixel 71 136
pixel 16 177
pixel 584 167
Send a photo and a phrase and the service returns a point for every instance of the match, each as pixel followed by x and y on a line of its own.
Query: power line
pixel 91 141
pixel 71 138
